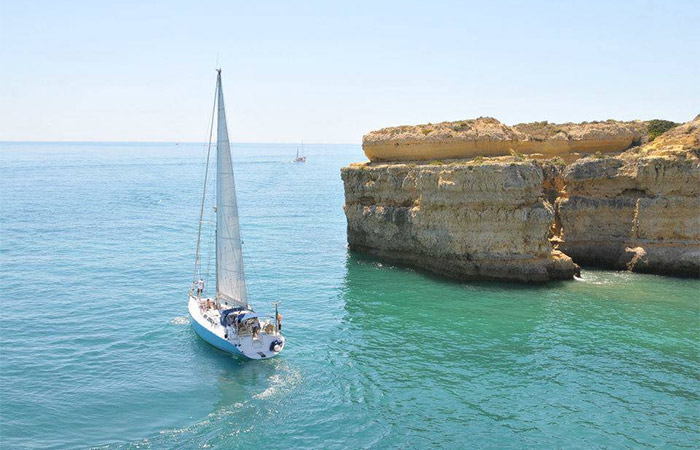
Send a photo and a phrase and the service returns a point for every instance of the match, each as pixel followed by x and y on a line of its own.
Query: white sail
pixel 230 278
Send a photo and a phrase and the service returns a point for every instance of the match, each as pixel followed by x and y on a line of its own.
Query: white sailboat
pixel 302 158
pixel 226 320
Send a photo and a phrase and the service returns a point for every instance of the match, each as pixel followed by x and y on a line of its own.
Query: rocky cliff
pixel 531 218
pixel 639 210
pixel 467 221
pixel 488 137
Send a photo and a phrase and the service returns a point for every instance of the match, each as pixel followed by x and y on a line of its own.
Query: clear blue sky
pixel 327 71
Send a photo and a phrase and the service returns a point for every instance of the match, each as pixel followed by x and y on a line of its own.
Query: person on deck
pixel 279 322
pixel 256 329
pixel 200 287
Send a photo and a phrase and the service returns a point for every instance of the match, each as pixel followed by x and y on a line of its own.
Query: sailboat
pixel 302 158
pixel 226 320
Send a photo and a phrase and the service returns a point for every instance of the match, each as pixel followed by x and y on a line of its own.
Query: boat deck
pixel 208 326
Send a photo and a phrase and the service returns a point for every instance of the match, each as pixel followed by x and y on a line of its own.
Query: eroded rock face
pixel 466 221
pixel 497 218
pixel 639 210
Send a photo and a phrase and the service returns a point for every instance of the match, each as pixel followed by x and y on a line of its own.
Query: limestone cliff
pixel 467 221
pixel 639 210
pixel 529 218
pixel 487 136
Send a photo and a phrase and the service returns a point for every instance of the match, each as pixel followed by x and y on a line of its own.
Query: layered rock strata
pixel 525 218
pixel 488 137
pixel 639 210
pixel 465 221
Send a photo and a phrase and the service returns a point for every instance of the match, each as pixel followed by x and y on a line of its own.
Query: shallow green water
pixel 97 248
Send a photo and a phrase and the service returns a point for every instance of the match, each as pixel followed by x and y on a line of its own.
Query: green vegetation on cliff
pixel 658 127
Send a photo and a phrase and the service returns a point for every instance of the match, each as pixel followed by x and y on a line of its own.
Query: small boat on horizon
pixel 302 158
pixel 226 320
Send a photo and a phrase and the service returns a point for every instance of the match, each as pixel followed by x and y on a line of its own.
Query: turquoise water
pixel 97 249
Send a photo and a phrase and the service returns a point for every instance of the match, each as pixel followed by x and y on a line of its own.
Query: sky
pixel 331 71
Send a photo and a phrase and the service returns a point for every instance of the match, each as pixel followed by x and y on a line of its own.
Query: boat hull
pixel 246 347
pixel 213 339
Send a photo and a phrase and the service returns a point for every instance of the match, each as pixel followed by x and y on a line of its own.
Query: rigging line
pixel 210 244
pixel 204 190
pixel 258 281
pixel 208 275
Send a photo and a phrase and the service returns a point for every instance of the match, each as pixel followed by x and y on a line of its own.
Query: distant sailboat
pixel 226 320
pixel 302 158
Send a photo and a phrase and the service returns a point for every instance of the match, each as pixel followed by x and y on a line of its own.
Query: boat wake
pixel 180 320
pixel 280 383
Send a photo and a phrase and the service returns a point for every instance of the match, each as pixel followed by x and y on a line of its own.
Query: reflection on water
pixel 498 362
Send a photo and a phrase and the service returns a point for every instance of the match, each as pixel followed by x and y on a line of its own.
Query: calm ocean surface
pixel 97 245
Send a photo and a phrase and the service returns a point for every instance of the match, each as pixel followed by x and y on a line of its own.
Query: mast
pixel 230 277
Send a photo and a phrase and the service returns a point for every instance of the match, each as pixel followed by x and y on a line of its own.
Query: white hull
pixel 207 325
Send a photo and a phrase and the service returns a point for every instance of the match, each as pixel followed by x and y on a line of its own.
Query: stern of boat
pixel 267 343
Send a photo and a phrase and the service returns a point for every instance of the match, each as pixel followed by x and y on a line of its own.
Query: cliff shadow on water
pixel 399 300
pixel 561 364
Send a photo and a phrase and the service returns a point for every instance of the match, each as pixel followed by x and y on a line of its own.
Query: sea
pixel 97 244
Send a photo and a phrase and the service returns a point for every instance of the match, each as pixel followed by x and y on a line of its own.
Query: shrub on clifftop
pixel 658 127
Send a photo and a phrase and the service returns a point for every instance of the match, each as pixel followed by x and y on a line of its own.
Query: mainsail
pixel 230 279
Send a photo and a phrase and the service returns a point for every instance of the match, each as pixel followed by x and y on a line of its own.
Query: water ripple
pixel 96 349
